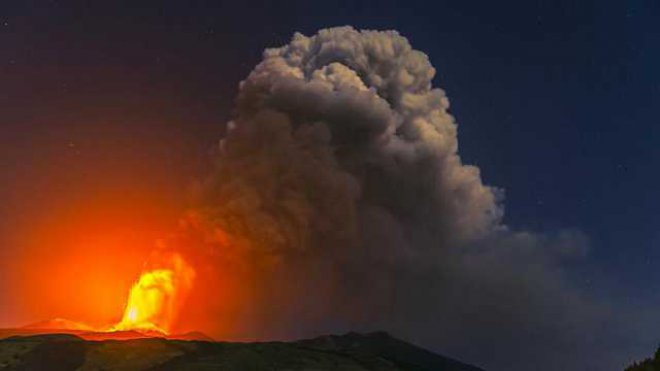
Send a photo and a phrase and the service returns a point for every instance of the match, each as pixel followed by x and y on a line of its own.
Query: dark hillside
pixel 350 352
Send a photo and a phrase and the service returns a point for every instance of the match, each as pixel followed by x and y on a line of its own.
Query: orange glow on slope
pixel 156 297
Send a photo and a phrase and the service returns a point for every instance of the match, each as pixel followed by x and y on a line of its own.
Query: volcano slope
pixel 354 352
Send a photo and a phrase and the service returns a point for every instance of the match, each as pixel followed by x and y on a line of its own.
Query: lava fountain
pixel 155 299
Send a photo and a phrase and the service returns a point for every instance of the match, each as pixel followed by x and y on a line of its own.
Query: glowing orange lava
pixel 156 297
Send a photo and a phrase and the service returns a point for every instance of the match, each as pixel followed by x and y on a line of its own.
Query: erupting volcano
pixel 147 303
pixel 332 199
pixel 154 299
pixel 152 306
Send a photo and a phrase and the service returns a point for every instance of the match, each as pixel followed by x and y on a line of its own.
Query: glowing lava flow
pixel 155 298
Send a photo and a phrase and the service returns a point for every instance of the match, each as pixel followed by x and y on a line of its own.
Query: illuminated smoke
pixel 339 194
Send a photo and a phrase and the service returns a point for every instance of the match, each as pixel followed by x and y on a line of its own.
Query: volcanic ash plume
pixel 336 136
pixel 338 202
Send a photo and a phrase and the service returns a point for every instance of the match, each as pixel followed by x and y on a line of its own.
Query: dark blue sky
pixel 557 102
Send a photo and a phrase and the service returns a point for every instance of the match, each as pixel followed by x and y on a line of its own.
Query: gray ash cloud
pixel 339 184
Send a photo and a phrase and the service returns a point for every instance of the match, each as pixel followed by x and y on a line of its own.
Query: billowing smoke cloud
pixel 339 201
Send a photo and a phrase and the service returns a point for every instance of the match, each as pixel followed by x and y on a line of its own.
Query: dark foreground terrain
pixel 355 352
pixel 649 364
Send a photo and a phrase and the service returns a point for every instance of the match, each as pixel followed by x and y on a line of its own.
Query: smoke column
pixel 338 201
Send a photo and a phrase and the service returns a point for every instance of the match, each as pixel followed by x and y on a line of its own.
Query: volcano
pixel 60 326
pixel 352 351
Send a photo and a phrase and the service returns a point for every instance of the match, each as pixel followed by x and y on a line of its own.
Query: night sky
pixel 108 111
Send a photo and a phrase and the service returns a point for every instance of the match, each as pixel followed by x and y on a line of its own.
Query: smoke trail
pixel 338 201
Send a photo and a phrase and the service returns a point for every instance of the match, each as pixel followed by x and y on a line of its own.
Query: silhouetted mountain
pixel 59 324
pixel 350 352
pixel 81 330
pixel 381 345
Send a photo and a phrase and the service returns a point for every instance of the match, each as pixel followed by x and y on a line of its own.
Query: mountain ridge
pixel 377 351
